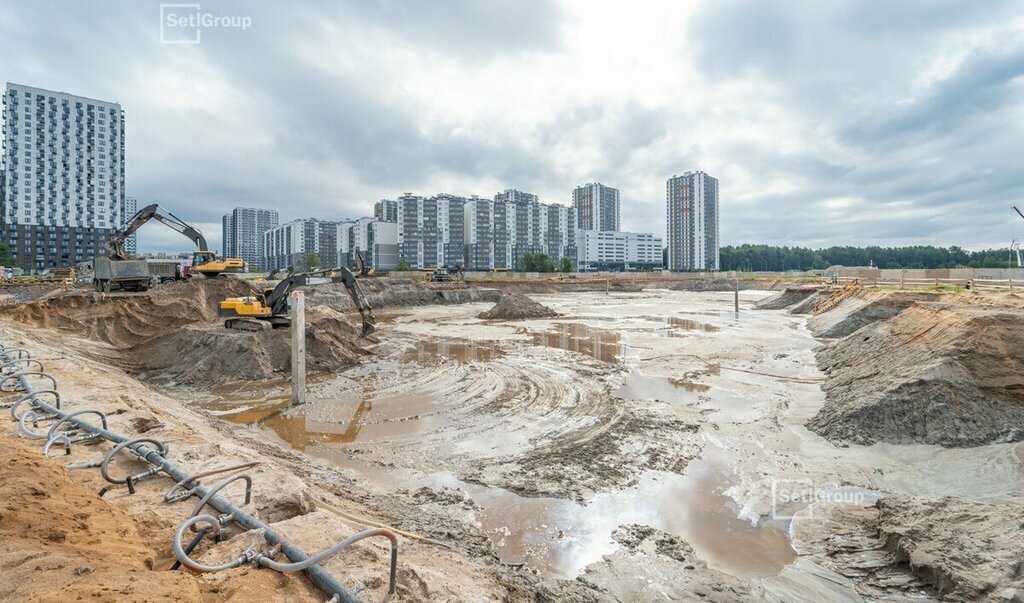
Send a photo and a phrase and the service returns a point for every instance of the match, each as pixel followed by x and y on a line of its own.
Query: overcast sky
pixel 859 122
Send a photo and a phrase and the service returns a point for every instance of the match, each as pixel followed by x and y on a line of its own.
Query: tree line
pixel 752 258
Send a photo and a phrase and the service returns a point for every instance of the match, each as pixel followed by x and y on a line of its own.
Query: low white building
pixel 617 250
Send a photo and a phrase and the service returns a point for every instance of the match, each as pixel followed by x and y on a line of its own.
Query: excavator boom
pixel 270 309
pixel 115 242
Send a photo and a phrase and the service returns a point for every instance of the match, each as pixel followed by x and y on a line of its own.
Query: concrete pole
pixel 736 295
pixel 298 303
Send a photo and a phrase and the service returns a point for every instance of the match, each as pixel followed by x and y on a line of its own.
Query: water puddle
pixel 728 406
pixel 601 344
pixel 432 352
pixel 561 537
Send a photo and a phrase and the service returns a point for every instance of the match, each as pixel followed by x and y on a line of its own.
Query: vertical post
pixel 607 287
pixel 736 295
pixel 298 303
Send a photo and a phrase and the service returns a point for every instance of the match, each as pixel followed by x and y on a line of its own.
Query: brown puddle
pixel 601 344
pixel 430 352
pixel 690 325
pixel 561 537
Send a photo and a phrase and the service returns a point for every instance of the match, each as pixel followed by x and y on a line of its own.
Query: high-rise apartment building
pixel 386 210
pixel 431 230
pixel 131 205
pixel 691 202
pixel 597 206
pixel 243 231
pixel 63 163
pixel 500 233
pixel 517 197
pixel 375 240
pixel 291 243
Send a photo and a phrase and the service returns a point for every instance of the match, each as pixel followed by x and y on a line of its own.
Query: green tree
pixel 403 266
pixel 312 261
pixel 566 265
pixel 6 259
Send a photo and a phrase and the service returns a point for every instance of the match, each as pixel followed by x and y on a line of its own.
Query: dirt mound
pixel 215 355
pixel 968 551
pixel 172 333
pixel 62 542
pixel 863 309
pixel 944 374
pixel 516 306
pixel 125 319
pixel 809 304
pixel 786 298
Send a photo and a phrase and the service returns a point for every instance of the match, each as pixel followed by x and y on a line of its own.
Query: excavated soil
pixel 863 309
pixel 944 374
pixel 516 306
pixel 172 334
pixel 786 298
pixel 64 543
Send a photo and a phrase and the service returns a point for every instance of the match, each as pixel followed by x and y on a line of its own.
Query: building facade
pixel 131 206
pixel 618 251
pixel 375 240
pixel 500 233
pixel 386 210
pixel 243 231
pixel 692 225
pixel 291 243
pixel 431 230
pixel 63 163
pixel 597 206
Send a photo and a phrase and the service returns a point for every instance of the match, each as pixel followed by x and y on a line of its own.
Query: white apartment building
pixel 430 230
pixel 243 231
pixel 691 207
pixel 499 233
pixel 63 164
pixel 131 206
pixel 597 206
pixel 617 250
pixel 375 240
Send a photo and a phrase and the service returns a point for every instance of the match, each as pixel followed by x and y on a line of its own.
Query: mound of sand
pixel 786 298
pixel 967 550
pixel 516 306
pixel 944 374
pixel 862 309
pixel 173 334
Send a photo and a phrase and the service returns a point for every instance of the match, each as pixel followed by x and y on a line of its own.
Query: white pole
pixel 298 302
pixel 736 296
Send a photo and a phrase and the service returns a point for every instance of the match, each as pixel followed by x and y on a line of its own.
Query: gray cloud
pixel 827 123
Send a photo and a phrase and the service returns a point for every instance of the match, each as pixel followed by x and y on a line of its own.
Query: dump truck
pixel 166 270
pixel 126 275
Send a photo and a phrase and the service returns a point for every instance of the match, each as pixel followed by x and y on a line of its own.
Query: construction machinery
pixel 268 308
pixel 362 268
pixel 204 261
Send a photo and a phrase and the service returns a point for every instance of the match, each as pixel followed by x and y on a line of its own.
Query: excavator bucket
pixel 368 327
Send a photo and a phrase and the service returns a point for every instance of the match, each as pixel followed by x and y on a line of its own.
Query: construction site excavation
pixel 594 438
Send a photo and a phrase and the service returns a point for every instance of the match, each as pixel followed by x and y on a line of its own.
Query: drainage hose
pixel 187 561
pixel 316 574
pixel 294 567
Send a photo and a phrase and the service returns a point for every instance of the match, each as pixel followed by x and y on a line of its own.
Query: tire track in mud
pixel 525 422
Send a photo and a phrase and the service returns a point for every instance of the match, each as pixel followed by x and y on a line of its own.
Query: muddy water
pixel 558 537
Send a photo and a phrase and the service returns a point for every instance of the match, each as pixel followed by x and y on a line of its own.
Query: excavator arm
pixel 276 301
pixel 115 242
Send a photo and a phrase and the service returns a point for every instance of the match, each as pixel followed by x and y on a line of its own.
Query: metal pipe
pixel 220 486
pixel 187 561
pixel 32 396
pixel 294 567
pixel 78 424
pixel 21 377
pixel 61 437
pixel 316 574
pixel 105 464
pixel 25 431
pixel 171 495
pixel 18 361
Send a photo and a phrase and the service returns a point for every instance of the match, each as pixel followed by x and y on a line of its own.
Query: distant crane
pixel 1015 245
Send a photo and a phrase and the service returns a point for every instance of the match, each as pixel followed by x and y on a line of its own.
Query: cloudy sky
pixel 857 122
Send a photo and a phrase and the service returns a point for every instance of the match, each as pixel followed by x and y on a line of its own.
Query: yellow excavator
pixel 268 308
pixel 204 261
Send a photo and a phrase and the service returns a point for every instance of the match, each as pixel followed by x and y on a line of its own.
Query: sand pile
pixel 786 298
pixel 173 334
pixel 967 550
pixel 944 374
pixel 862 309
pixel 516 306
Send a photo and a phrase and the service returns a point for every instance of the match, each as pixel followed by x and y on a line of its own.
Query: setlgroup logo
pixel 184 23
pixel 792 496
